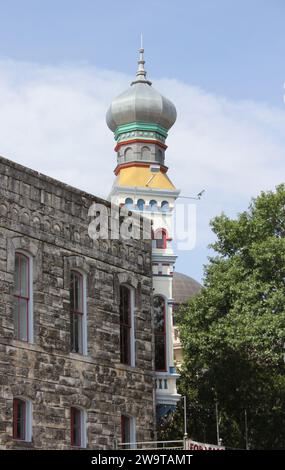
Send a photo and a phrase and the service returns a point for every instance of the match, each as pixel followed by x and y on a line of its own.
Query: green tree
pixel 233 332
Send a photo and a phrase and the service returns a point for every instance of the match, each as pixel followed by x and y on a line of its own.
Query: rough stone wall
pixel 50 220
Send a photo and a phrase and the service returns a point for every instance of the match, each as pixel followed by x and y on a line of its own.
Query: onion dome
pixel 141 103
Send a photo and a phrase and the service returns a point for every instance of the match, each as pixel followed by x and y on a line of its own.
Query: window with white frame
pixel 23 297
pixel 129 202
pixel 140 204
pixel 22 419
pixel 165 206
pixel 128 432
pixel 127 337
pixel 78 436
pixel 153 205
pixel 78 313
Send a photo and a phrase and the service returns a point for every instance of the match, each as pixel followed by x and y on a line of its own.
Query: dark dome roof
pixel 184 287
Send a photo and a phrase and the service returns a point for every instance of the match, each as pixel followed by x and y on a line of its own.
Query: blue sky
pixel 233 47
pixel 221 62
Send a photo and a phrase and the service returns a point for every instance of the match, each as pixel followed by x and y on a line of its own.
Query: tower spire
pixel 141 72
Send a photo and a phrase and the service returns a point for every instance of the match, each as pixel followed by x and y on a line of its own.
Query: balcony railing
pixel 161 384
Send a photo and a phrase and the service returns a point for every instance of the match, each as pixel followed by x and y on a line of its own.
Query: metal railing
pixel 151 445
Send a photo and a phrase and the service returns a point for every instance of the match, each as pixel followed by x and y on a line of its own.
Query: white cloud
pixel 52 119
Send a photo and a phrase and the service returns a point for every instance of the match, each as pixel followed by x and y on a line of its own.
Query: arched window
pixel 128 154
pixel 140 204
pixel 22 419
pixel 77 313
pixel 159 333
pixel 161 238
pixel 23 297
pixel 160 155
pixel 153 205
pixel 126 326
pixel 129 202
pixel 78 427
pixel 145 153
pixel 164 206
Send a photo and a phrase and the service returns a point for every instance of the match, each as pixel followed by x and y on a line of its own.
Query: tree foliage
pixel 233 332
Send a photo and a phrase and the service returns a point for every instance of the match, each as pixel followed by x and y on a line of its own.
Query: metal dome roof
pixel 141 103
pixel 184 287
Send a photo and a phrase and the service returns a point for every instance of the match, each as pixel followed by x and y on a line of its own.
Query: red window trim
pixel 127 327
pixel 73 410
pixel 16 402
pixel 20 297
pixel 163 238
pixel 163 334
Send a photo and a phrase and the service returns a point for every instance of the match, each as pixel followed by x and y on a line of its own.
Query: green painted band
pixel 140 126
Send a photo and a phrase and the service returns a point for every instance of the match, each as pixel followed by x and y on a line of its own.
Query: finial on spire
pixel 141 73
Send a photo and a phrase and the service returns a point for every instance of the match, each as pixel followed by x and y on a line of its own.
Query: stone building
pixel 75 322
pixel 86 324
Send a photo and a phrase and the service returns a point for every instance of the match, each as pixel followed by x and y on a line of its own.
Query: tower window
pixel 128 154
pixel 145 153
pixel 126 327
pixel 129 202
pixel 161 238
pixel 77 313
pixel 153 205
pixel 140 204
pixel 77 427
pixel 160 156
pixel 22 419
pixel 22 297
pixel 159 333
pixel 164 206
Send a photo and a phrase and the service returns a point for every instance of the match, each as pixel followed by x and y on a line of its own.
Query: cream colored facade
pixel 140 118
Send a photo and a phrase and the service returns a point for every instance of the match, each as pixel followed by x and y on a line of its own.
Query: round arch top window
pixel 153 205
pixel 165 206
pixel 141 204
pixel 145 153
pixel 128 154
pixel 129 202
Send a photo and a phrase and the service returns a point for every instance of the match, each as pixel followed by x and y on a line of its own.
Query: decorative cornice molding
pixel 138 140
pixel 140 126
pixel 147 191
